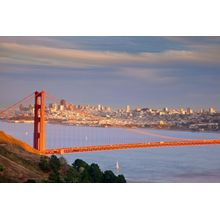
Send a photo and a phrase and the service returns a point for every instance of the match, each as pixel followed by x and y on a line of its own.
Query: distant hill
pixel 18 161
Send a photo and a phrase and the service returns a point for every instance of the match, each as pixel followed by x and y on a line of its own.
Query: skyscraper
pixel 128 109
pixel 212 110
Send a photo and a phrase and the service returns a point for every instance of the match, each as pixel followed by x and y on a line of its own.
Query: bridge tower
pixel 39 124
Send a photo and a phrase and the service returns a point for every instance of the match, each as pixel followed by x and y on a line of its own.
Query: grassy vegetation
pixel 7 139
pixel 18 158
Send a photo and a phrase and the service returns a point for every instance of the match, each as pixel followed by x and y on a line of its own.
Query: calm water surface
pixel 173 164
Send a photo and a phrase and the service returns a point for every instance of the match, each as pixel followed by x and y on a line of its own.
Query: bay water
pixel 165 164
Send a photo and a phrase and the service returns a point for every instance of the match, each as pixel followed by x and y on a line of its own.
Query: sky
pixel 151 72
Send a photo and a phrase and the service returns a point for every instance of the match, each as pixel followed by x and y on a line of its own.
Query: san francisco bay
pixel 167 164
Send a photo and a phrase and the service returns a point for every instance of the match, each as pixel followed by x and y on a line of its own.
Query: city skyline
pixel 117 71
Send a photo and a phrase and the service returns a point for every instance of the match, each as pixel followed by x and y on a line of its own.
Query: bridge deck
pixel 66 150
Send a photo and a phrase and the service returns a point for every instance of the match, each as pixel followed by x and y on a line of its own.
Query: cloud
pixel 189 41
pixel 14 53
pixel 150 75
pixel 166 74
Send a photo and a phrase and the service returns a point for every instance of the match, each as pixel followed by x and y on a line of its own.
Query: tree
pixel 62 161
pixel 85 177
pixel 54 177
pixel 121 179
pixel 109 177
pixel 54 163
pixel 72 175
pixel 64 166
pixel 80 163
pixel 95 173
pixel 44 165
pixel 80 171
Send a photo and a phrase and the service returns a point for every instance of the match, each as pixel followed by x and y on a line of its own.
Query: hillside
pixel 9 140
pixel 18 161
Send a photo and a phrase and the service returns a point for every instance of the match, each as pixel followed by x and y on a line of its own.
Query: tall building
pixel 53 107
pixel 212 110
pixel 189 111
pixel 182 111
pixel 201 111
pixel 128 109
pixel 165 109
pixel 63 102
pixel 102 108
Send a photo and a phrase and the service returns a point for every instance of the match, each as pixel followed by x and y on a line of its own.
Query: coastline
pixel 113 126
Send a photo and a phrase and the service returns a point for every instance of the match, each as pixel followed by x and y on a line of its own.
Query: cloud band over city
pixel 146 71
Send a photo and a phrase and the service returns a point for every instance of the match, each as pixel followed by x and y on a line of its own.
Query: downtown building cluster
pixel 100 115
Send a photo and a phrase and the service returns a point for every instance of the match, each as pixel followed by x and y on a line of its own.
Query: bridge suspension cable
pixel 154 135
pixel 17 103
pixel 88 139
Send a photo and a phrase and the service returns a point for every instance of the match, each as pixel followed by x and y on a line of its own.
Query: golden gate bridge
pixel 39 132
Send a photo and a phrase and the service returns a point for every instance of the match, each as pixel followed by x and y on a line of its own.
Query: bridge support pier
pixel 39 124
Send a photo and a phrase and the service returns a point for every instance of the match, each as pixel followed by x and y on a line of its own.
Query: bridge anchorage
pixel 39 137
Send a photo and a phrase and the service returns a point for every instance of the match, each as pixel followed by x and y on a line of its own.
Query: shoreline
pixel 111 126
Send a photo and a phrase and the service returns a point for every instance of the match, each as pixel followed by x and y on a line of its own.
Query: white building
pixel 212 110
pixel 128 109
pixel 189 111
pixel 61 107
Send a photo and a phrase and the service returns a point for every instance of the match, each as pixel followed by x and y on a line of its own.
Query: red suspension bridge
pixel 39 131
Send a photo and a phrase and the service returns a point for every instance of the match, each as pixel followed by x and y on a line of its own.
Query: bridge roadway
pixel 66 150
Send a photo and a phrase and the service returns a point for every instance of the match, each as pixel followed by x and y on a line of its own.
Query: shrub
pixel 80 163
pixel 54 163
pixel 85 177
pixel 54 177
pixel 71 175
pixel 121 179
pixel 109 177
pixel 44 164
pixel 95 173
